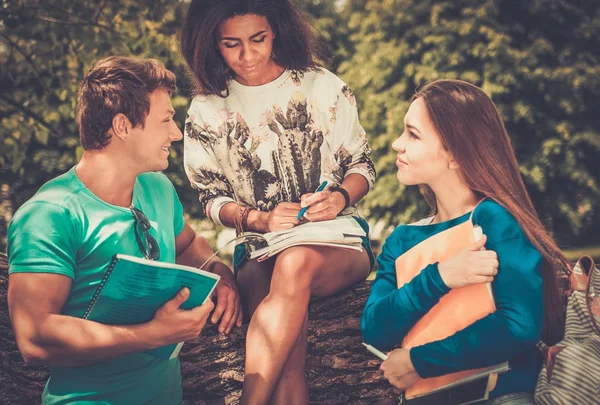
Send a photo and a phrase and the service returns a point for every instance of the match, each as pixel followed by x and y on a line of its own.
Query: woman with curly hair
pixel 267 126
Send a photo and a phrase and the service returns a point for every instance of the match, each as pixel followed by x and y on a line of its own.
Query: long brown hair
pixel 472 130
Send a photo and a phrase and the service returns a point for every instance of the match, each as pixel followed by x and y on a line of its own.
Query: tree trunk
pixel 339 370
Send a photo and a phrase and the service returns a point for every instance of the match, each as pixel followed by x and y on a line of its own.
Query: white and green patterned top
pixel 262 145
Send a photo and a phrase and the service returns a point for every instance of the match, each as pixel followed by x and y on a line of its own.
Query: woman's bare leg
pixel 278 320
pixel 292 387
pixel 254 281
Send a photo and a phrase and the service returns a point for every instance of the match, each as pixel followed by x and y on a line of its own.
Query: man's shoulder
pixel 156 179
pixel 154 185
pixel 48 210
pixel 57 192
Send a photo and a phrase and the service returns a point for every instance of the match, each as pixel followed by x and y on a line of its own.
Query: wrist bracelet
pixel 245 219
pixel 241 219
pixel 346 197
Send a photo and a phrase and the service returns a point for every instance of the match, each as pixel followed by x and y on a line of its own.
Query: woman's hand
pixel 474 265
pixel 323 205
pixel 399 370
pixel 283 216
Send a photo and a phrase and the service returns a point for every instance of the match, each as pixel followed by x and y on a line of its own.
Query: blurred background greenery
pixel 537 59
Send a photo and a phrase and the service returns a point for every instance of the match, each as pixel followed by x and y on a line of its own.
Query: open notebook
pixel 342 232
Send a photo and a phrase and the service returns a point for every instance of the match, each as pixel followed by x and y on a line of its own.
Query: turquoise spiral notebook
pixel 134 288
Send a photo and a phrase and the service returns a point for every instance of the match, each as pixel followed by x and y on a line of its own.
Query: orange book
pixel 456 310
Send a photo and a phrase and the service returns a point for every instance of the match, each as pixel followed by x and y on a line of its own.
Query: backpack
pixel 571 374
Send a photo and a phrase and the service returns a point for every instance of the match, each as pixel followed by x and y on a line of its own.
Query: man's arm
pixel 193 250
pixel 44 336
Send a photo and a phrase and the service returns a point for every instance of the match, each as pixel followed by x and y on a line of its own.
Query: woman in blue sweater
pixel 455 147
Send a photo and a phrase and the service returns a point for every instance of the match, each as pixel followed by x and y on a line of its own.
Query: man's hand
pixel 173 325
pixel 229 308
pixel 193 250
pixel 399 370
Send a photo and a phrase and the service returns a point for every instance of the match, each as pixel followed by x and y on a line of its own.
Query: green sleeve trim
pixel 33 269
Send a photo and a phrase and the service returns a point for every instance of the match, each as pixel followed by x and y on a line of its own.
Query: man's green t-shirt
pixel 65 229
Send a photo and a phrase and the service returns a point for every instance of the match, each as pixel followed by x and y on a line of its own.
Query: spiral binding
pixel 113 263
pixel 111 266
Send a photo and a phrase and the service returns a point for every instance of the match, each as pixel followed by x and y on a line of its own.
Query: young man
pixel 60 242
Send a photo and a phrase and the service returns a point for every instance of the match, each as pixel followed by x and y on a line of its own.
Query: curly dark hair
pixel 295 46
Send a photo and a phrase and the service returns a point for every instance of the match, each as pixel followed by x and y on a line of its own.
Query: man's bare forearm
pixel 60 340
pixel 195 250
pixel 196 253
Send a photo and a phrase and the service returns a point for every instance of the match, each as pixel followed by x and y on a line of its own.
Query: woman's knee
pixel 296 267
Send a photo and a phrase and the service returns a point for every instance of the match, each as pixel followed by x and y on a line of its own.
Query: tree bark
pixel 339 370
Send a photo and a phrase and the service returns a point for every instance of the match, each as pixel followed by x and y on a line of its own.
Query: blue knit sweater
pixel 509 334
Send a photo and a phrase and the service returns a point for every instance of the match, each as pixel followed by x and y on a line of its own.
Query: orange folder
pixel 456 310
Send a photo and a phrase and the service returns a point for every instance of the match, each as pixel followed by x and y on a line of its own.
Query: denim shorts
pixel 240 254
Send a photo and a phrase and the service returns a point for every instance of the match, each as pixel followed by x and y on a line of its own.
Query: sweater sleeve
pixel 352 151
pixel 390 313
pixel 201 166
pixel 514 327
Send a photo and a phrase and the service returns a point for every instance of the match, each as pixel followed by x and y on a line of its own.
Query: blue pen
pixel 303 210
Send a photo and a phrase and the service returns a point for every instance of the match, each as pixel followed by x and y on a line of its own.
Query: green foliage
pixel 45 49
pixel 46 46
pixel 538 61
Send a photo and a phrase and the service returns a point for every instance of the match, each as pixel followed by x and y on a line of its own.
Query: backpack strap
pixel 579 279
pixel 592 297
